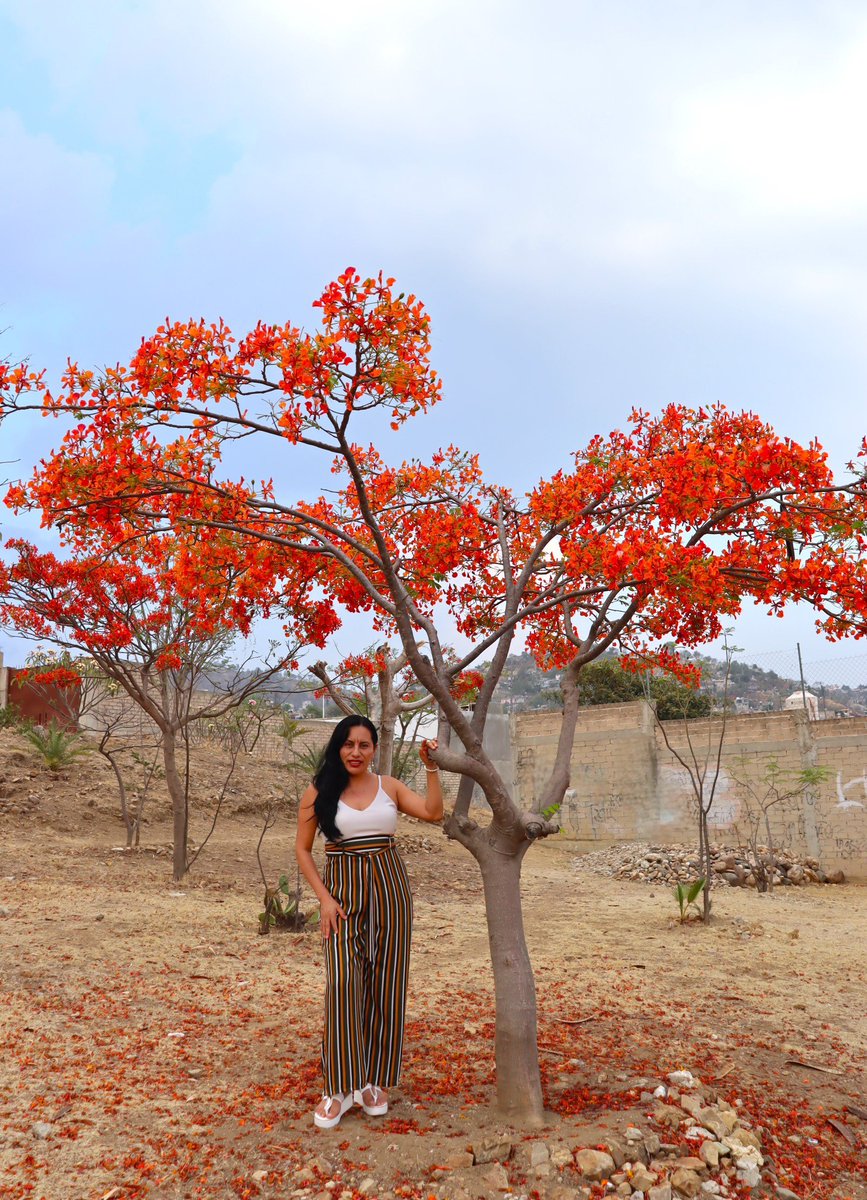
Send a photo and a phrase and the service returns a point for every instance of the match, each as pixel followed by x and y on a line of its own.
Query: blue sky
pixel 601 205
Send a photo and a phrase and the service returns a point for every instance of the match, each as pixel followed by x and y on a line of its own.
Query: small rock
pixel 666 1114
pixel 196 1072
pixel 4 911
pixel 785 1194
pixel 651 1143
pixel 41 1130
pixel 491 1150
pixel 617 1150
pixel 699 1131
pixel 642 1179
pixel 492 1175
pixel 633 1134
pixel 712 1119
pixel 260 1175
pixel 709 1153
pixel 710 1187
pixel 729 1118
pixel 561 1156
pixel 661 1192
pixel 624 1189
pixel 689 1162
pixel 454 1160
pixel 366 1185
pixel 836 877
pixel 741 1142
pixel 686 1182
pixel 682 1079
pixel 538 1153
pixel 594 1164
pixel 749 1174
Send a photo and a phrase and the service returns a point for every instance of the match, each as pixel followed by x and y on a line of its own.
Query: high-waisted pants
pixel 366 964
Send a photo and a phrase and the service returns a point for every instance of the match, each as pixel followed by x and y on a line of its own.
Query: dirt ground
pixel 153 1044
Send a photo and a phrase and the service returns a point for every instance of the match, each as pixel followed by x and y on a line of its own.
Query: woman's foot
pixel 330 1109
pixel 373 1100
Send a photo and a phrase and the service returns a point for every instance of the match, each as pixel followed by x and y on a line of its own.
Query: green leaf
pixel 694 890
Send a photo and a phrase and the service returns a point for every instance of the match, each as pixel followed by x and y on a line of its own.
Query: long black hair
pixel 332 777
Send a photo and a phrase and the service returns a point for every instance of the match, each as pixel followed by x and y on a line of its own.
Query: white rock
pixel 749 1174
pixel 682 1079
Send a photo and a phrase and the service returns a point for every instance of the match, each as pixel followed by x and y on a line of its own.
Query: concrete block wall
pixel 627 785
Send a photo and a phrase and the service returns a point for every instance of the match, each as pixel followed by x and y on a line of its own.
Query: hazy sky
pixel 602 205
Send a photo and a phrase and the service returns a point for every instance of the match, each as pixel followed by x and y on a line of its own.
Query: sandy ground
pixel 152 1044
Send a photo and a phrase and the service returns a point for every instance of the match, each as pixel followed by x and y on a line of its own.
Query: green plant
pixel 282 908
pixel 686 895
pixel 56 747
pixel 10 717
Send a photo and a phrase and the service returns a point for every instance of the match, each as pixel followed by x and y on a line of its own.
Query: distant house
pixel 803 700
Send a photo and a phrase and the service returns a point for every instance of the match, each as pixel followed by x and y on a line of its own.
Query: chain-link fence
pixel 780 679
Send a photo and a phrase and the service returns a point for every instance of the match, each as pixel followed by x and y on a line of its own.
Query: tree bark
pixel 519 1087
pixel 385 749
pixel 179 806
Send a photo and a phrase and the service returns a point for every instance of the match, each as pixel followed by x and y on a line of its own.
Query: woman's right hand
pixel 329 914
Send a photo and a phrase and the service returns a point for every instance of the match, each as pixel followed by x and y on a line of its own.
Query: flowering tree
pixel 152 616
pixel 656 532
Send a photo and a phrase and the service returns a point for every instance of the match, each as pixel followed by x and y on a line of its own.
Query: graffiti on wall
pixel 843 800
pixel 604 815
pixel 677 795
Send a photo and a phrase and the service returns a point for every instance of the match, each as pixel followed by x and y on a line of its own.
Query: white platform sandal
pixel 335 1107
pixel 378 1105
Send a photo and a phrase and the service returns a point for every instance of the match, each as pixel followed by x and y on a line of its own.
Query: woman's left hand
pixel 424 752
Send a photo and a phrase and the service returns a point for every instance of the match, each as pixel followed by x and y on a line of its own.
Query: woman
pixel 365 911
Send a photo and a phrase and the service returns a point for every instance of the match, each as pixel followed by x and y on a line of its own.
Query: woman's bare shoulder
pixel 308 797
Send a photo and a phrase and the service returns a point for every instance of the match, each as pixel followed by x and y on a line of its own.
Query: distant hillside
pixel 751 689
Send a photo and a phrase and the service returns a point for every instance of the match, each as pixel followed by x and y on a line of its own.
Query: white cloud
pixel 783 144
pixel 52 201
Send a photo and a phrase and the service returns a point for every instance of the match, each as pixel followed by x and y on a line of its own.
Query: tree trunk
pixel 519 1086
pixel 705 864
pixel 179 806
pixel 385 748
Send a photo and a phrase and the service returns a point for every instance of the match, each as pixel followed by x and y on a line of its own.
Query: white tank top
pixel 378 819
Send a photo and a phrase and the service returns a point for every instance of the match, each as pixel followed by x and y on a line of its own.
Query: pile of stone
pixel 679 864
pixel 686 1143
pixel 699 1147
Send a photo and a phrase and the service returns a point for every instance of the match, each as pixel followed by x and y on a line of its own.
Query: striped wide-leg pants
pixel 366 964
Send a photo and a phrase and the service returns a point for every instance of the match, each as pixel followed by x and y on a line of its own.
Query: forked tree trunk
pixel 519 1086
